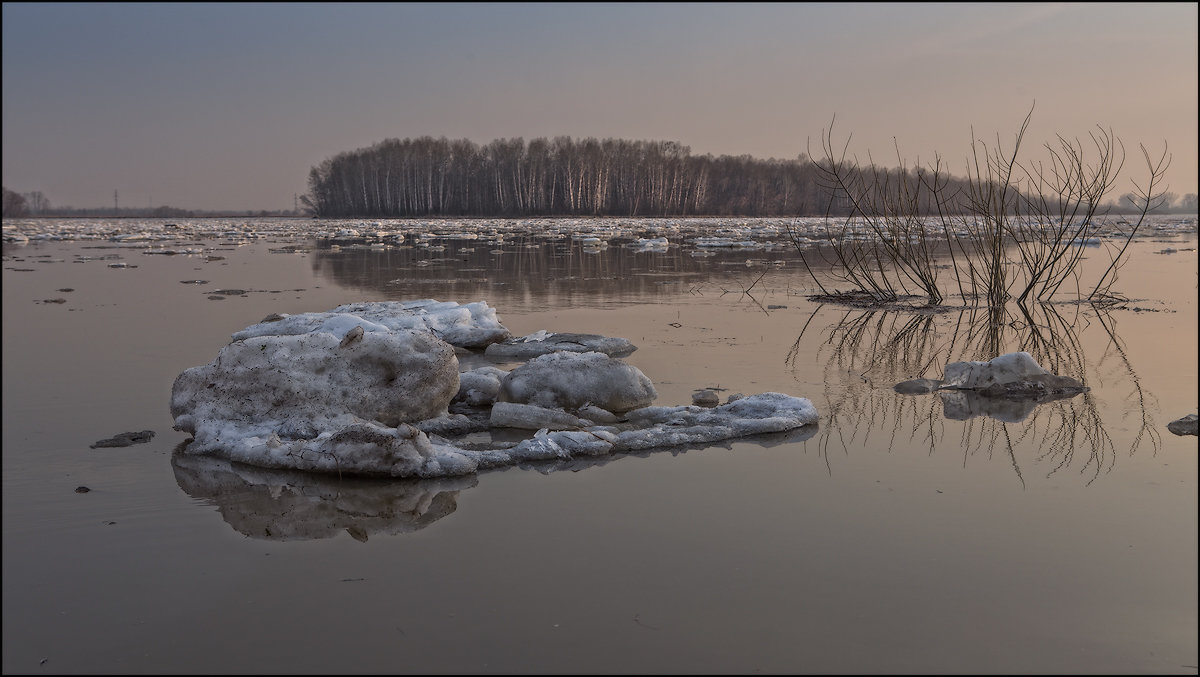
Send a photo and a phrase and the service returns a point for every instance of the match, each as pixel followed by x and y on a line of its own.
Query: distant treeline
pixel 35 203
pixel 163 212
pixel 565 177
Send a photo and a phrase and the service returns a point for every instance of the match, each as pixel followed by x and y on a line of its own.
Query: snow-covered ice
pixel 1006 388
pixel 480 387
pixel 366 389
pixel 472 325
pixel 532 417
pixel 572 380
pixel 543 342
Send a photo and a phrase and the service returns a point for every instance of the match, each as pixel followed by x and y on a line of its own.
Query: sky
pixel 228 106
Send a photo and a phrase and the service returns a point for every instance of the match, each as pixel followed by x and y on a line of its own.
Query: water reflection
pixel 865 352
pixel 280 505
pixel 536 271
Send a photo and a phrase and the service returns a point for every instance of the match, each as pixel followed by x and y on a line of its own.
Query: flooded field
pixel 897 535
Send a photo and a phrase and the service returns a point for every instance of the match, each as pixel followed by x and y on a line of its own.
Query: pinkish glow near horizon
pixel 227 106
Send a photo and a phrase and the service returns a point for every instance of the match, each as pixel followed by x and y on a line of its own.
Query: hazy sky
pixel 227 106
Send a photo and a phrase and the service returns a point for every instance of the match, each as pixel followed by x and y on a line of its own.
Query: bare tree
pixel 15 206
pixel 1011 230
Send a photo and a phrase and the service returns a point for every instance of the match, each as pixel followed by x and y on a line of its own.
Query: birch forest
pixel 560 177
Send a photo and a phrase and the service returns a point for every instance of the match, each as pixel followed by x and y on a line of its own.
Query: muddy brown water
pixel 889 538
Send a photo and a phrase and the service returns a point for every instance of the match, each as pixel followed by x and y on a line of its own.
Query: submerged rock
pixel 1183 426
pixel 125 439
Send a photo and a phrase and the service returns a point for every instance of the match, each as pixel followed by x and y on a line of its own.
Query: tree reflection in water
pixel 867 351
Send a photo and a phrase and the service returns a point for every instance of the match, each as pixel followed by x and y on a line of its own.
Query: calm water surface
pixel 891 537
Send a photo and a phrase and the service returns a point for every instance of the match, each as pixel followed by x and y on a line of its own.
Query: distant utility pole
pixel 116 204
pixel 295 202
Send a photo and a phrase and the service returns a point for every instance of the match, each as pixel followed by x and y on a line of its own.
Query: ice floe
pixel 543 342
pixel 470 325
pixel 699 236
pixel 1006 388
pixel 571 380
pixel 368 388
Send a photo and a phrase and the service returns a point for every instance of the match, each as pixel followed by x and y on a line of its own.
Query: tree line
pixel 36 204
pixel 554 177
pixel 429 177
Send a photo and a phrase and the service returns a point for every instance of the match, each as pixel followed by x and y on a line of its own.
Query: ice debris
pixel 473 325
pixel 1015 375
pixel 571 380
pixel 531 417
pixel 367 389
pixel 543 343
pixel 1006 388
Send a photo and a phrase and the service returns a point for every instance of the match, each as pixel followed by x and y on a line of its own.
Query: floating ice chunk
pixel 651 244
pixel 479 387
pixel 1010 376
pixel 336 324
pixel 1005 370
pixel 542 343
pixel 471 325
pixel 360 447
pixel 348 445
pixel 297 384
pixel 530 417
pixel 353 391
pixel 570 380
pixel 451 424
pixel 756 414
pixel 726 242
pixel 1006 388
pixel 593 413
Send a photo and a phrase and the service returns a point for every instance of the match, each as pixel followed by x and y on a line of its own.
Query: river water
pixel 892 537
